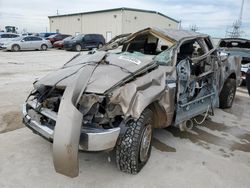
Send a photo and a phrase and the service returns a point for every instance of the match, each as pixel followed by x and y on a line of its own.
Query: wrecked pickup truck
pixel 237 47
pixel 105 101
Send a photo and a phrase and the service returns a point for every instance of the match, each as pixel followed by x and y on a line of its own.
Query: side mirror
pixel 23 40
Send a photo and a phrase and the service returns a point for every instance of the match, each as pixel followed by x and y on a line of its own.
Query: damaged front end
pixel 76 109
pixel 72 121
pixel 98 117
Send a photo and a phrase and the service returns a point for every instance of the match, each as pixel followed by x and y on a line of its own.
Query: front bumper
pixel 91 139
pixel 57 45
pixel 68 46
pixel 2 47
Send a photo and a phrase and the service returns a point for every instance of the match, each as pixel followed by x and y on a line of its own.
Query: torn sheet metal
pixel 230 66
pixel 68 126
pixel 135 96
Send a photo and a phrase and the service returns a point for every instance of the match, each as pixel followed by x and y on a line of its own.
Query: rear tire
pixel 134 147
pixel 15 48
pixel 227 93
pixel 44 47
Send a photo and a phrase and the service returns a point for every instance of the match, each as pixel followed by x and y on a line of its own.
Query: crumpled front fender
pixel 68 126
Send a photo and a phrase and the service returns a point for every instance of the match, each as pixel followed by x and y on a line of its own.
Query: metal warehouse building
pixel 110 22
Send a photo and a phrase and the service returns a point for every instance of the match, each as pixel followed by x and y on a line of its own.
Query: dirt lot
pixel 216 154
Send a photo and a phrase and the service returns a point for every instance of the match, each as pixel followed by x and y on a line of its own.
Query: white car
pixel 5 37
pixel 27 43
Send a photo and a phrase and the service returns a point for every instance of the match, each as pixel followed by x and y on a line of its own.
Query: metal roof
pixel 115 9
pixel 178 35
pixel 172 34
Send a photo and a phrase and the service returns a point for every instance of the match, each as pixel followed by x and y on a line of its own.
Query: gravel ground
pixel 215 154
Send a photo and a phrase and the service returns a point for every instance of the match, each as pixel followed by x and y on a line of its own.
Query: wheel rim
pixel 16 48
pixel 145 143
pixel 78 47
pixel 231 96
pixel 44 47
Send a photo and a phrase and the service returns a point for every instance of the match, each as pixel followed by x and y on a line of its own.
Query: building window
pixel 52 21
pixel 78 19
pixel 57 30
pixel 115 16
pixel 135 17
pixel 169 25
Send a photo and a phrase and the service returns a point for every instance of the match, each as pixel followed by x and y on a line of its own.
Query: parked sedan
pixel 57 37
pixel 27 43
pixel 45 35
pixel 59 44
pixel 5 37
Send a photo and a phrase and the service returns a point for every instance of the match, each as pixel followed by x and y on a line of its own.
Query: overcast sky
pixel 210 16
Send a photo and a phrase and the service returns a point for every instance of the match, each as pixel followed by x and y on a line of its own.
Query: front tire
pixel 78 48
pixel 134 147
pixel 227 93
pixel 100 45
pixel 15 48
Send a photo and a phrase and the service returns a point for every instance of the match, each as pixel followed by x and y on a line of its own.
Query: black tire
pixel 130 146
pixel 78 48
pixel 100 45
pixel 248 81
pixel 227 93
pixel 44 47
pixel 15 48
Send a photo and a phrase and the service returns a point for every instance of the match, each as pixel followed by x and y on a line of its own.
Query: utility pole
pixel 194 28
pixel 234 31
pixel 180 25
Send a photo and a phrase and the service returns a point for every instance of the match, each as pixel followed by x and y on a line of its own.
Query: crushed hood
pixel 111 70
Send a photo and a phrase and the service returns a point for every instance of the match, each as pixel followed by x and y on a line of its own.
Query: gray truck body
pixel 86 104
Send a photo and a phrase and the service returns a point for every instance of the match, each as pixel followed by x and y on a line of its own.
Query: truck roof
pixel 173 35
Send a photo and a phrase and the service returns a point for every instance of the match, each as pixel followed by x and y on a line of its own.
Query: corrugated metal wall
pixel 109 24
pixel 134 21
pixel 103 23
